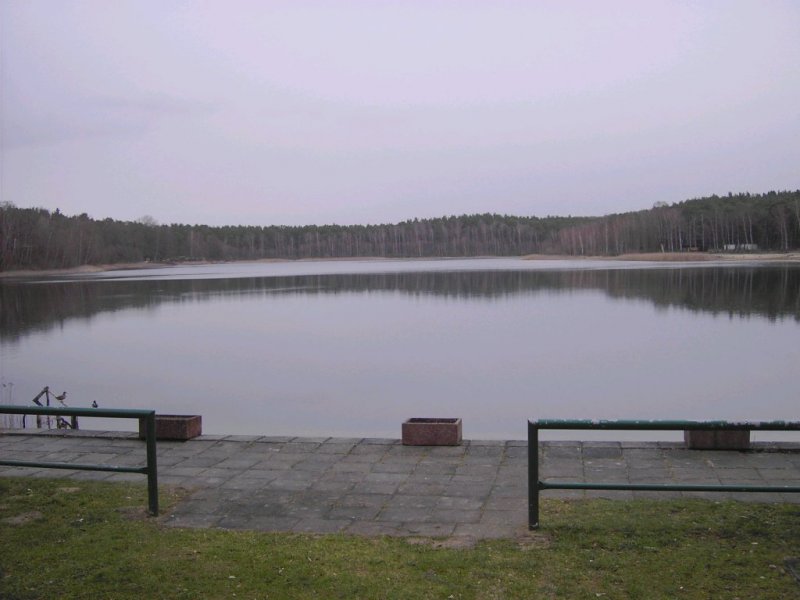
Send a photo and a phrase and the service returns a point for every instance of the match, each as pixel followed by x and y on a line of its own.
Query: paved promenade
pixel 380 487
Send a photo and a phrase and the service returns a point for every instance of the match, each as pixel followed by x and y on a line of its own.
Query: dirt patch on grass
pixel 23 518
pixel 534 541
pixel 133 513
pixel 529 541
pixel 459 542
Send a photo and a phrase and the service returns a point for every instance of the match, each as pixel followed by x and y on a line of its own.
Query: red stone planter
pixel 432 432
pixel 712 439
pixel 175 427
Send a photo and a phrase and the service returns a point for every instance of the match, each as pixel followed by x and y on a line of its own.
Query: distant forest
pixel 35 238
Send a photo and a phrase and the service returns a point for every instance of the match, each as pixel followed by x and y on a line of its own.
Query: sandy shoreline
pixel 681 257
pixel 691 256
pixel 25 273
pixel 91 269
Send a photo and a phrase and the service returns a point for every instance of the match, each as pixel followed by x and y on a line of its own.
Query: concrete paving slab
pixel 368 488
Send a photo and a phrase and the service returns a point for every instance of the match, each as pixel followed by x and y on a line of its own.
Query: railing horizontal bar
pixel 666 487
pixel 667 425
pixel 117 413
pixel 76 467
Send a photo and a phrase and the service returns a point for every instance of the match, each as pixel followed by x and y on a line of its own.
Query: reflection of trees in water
pixel 771 292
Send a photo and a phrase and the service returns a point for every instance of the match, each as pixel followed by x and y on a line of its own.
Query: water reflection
pixel 771 292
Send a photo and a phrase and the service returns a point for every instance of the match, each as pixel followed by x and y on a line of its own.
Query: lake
pixel 353 348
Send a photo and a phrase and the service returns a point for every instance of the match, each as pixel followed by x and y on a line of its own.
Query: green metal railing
pixel 535 485
pixel 148 417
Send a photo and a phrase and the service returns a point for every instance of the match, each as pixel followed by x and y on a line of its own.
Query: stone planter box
pixel 432 432
pixel 711 439
pixel 175 427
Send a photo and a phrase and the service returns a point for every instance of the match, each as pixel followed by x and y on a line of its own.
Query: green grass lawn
pixel 70 539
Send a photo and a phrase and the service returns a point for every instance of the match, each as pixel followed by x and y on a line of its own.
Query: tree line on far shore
pixel 36 238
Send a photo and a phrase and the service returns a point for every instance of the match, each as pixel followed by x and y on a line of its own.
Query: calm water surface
pixel 353 348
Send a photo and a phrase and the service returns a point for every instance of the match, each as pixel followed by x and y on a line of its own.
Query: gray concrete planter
pixel 176 427
pixel 432 432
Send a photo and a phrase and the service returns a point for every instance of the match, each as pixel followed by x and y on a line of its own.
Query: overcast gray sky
pixel 298 112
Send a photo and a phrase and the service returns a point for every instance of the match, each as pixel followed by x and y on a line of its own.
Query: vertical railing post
pixel 152 469
pixel 533 476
